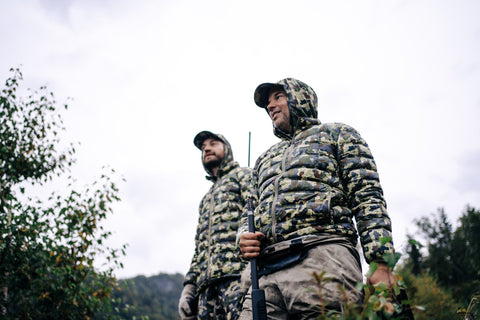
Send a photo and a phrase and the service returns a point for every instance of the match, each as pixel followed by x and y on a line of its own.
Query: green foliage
pixel 414 255
pixel 29 135
pixel 473 310
pixel 390 259
pixel 454 256
pixel 438 231
pixel 428 299
pixel 379 302
pixel 48 246
pixel 465 253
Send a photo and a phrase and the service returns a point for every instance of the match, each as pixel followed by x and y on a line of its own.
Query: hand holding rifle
pixel 250 248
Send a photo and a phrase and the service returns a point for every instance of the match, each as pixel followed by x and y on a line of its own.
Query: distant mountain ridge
pixel 155 296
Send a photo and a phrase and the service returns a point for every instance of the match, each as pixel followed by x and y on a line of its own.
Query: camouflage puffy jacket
pixel 317 180
pixel 216 255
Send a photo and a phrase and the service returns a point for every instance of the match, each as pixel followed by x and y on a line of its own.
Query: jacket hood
pixel 226 164
pixel 302 101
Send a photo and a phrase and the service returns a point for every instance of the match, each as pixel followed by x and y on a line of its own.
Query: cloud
pixel 468 179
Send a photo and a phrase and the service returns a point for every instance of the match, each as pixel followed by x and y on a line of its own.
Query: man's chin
pixel 212 163
pixel 283 127
pixel 209 159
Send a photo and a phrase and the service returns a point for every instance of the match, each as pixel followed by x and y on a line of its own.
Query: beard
pixel 212 163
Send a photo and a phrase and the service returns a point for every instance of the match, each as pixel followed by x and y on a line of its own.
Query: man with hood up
pixel 310 189
pixel 212 284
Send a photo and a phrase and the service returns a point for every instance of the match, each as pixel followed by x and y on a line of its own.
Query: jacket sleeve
pixel 365 195
pixel 193 273
pixel 248 192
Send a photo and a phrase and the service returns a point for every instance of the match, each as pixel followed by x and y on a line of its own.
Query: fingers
pixel 185 310
pixel 250 244
pixel 382 275
pixel 250 248
pixel 251 236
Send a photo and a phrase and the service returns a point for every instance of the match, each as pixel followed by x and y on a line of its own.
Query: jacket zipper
pixel 288 151
pixel 329 200
pixel 212 207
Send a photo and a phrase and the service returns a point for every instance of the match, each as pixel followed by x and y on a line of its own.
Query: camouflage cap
pixel 261 93
pixel 202 136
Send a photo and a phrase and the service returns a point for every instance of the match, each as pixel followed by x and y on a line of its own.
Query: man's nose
pixel 207 149
pixel 270 106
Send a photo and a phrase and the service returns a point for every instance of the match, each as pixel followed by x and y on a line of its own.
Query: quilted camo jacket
pixel 319 179
pixel 216 255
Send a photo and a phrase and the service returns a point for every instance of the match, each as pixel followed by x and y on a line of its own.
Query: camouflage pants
pixel 292 293
pixel 220 301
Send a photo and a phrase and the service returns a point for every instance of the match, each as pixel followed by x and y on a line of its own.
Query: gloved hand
pixel 187 306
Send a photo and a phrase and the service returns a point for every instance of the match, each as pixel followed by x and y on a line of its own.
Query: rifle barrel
pixel 259 308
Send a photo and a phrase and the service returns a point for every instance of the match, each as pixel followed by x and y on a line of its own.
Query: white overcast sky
pixel 147 75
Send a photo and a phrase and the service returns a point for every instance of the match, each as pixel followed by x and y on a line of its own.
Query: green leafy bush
pixel 48 246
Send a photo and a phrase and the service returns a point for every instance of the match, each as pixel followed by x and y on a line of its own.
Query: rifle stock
pixel 259 308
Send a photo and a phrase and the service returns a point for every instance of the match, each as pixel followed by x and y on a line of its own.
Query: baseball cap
pixel 202 136
pixel 261 93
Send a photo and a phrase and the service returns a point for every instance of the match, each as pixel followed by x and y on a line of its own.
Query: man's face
pixel 278 109
pixel 213 152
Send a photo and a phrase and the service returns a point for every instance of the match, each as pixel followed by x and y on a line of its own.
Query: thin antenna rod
pixel 249 138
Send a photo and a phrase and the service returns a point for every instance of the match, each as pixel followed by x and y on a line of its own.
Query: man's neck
pixel 214 171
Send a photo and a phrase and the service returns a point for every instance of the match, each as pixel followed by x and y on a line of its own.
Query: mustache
pixel 209 154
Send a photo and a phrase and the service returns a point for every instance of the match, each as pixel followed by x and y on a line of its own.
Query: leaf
pixel 372 269
pixel 391 259
pixel 385 240
pixel 415 243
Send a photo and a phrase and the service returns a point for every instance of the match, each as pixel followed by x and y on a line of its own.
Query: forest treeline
pixel 155 296
pixel 442 271
pixel 48 245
